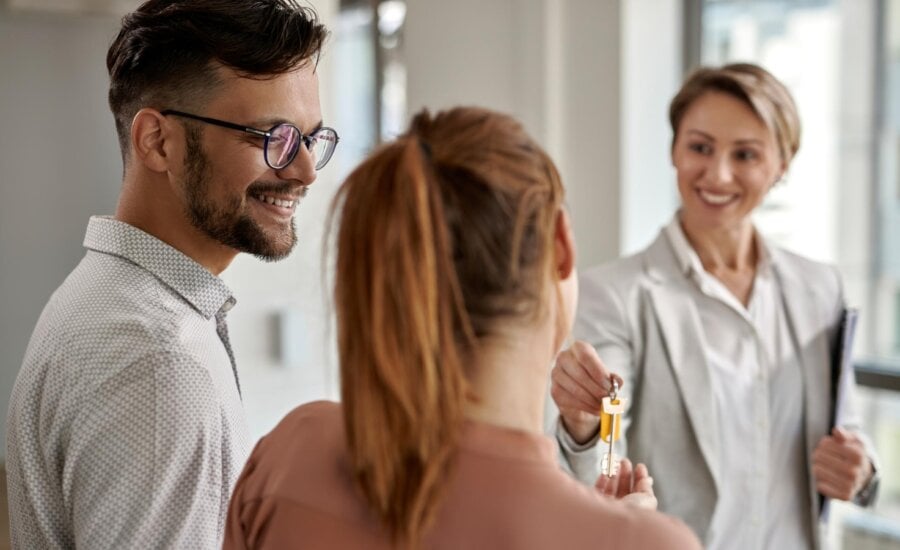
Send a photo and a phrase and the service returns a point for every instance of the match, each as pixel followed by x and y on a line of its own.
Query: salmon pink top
pixel 504 491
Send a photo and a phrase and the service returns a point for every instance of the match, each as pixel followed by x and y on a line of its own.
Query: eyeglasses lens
pixel 323 147
pixel 282 146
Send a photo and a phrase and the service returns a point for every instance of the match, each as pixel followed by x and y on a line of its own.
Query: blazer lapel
pixel 679 323
pixel 803 316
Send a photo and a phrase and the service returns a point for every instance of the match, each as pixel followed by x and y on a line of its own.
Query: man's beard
pixel 226 223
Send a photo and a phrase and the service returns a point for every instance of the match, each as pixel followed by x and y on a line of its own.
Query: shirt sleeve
pixel 143 467
pixel 600 321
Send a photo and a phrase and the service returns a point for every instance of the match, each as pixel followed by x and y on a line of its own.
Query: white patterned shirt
pixel 125 426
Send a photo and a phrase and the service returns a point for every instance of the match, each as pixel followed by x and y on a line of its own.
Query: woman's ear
pixel 564 246
pixel 782 172
pixel 149 132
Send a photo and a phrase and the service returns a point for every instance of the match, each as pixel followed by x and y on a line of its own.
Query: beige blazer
pixel 638 313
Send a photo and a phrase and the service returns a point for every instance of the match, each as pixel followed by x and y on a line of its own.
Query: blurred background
pixel 590 79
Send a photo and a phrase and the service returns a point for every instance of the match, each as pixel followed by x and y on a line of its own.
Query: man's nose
pixel 302 168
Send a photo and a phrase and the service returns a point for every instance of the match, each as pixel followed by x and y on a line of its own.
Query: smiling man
pixel 126 428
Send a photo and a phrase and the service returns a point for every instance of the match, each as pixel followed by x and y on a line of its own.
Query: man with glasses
pixel 125 427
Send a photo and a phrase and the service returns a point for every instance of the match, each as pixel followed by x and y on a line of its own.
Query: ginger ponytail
pixel 402 382
pixel 445 235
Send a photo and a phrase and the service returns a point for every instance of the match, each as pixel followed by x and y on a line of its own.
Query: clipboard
pixel 842 377
pixel 842 381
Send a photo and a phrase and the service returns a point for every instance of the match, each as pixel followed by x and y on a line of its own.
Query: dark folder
pixel 842 380
pixel 842 366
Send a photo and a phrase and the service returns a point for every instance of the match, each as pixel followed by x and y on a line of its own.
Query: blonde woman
pixel 723 340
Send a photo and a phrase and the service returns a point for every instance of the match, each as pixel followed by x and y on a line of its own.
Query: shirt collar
pixel 194 283
pixel 688 260
pixel 765 260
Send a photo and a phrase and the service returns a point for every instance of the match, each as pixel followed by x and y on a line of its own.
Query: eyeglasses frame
pixel 266 134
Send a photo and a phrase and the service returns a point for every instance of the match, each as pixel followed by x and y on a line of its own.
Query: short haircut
pixel 757 88
pixel 167 52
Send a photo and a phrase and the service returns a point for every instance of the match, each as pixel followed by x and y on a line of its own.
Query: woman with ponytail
pixel 455 289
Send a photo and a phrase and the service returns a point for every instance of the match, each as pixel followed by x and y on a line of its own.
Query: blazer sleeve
pixel 852 420
pixel 602 321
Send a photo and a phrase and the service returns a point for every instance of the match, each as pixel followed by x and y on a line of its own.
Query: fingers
pixel 849 450
pixel 840 465
pixel 568 391
pixel 832 484
pixel 641 475
pixel 577 406
pixel 606 485
pixel 836 474
pixel 632 485
pixel 834 490
pixel 641 500
pixel 634 480
pixel 575 367
pixel 586 356
pixel 843 436
pixel 618 485
pixel 580 379
pixel 643 482
pixel 624 478
pixel 837 462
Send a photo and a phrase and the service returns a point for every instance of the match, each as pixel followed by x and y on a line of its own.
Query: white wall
pixel 590 80
pixel 555 66
pixel 651 75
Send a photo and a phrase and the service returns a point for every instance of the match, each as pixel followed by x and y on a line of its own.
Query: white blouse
pixel 763 499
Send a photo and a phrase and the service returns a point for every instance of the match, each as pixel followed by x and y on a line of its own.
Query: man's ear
pixel 564 246
pixel 149 134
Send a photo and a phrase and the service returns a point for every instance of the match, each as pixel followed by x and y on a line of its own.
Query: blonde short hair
pixel 753 85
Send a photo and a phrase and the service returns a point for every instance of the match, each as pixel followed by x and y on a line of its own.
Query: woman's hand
pixel 580 381
pixel 840 465
pixel 631 486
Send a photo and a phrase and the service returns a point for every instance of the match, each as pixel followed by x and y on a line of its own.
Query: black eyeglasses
pixel 282 141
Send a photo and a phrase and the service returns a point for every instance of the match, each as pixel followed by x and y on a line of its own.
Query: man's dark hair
pixel 166 54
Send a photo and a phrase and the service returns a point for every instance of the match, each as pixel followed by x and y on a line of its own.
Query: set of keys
pixel 611 410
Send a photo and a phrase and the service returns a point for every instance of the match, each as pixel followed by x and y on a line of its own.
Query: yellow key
pixel 609 412
pixel 612 408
